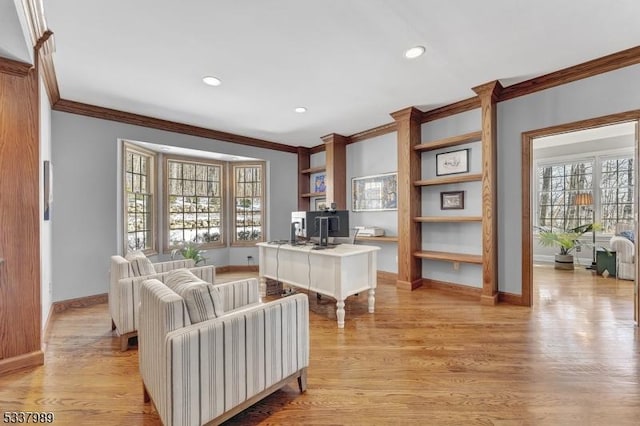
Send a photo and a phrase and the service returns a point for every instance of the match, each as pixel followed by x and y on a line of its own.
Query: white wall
pixel 46 267
pixel 84 154
pixel 372 157
pixel 596 96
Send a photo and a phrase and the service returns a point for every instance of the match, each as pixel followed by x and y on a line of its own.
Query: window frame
pixel 597 158
pixel 232 195
pixel 166 231
pixel 128 147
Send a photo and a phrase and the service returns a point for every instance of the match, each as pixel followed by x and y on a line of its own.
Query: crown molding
pixel 587 69
pixel 13 67
pixel 79 108
pixel 44 45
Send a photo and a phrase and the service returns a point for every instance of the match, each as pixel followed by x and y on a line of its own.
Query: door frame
pixel 527 172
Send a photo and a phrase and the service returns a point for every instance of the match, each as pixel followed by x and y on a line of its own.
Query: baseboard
pixel 387 277
pixel 80 302
pixel 409 285
pixel 454 288
pixel 241 268
pixel 31 359
pixel 511 299
pixel 47 329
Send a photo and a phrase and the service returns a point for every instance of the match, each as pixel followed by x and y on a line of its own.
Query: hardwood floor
pixel 425 357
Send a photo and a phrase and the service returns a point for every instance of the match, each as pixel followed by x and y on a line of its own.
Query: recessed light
pixel 414 52
pixel 211 81
pixel 301 110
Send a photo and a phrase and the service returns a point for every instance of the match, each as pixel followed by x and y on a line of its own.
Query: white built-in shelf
pixel 447 142
pixel 452 257
pixel 445 219
pixel 449 179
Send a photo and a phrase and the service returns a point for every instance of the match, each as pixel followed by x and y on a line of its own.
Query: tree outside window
pixel 248 196
pixel 139 177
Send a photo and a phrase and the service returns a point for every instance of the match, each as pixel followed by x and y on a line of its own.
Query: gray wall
pixel 85 157
pixel 597 96
pixel 372 157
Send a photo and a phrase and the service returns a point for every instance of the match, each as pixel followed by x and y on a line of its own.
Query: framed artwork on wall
pixel 374 193
pixel 46 173
pixel 319 184
pixel 320 204
pixel 452 162
pixel 452 200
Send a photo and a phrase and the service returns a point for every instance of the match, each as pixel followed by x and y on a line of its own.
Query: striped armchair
pixel 209 371
pixel 124 291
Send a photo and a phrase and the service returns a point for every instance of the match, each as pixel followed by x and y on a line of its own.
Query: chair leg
pixel 145 394
pixel 113 325
pixel 302 380
pixel 124 342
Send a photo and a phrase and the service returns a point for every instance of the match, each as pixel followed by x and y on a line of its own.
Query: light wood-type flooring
pixel 425 357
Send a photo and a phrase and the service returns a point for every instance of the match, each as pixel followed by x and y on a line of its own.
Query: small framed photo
pixel 452 162
pixel 320 204
pixel 319 184
pixel 452 200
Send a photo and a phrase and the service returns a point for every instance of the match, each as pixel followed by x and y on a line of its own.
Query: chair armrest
pixel 173 264
pixel 624 248
pixel 236 294
pixel 220 363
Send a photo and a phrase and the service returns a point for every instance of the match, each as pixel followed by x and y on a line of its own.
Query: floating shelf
pixel 453 257
pixel 452 141
pixel 444 219
pixel 384 239
pixel 449 179
pixel 313 194
pixel 313 170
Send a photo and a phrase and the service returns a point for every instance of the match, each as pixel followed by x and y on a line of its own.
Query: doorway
pixel 560 162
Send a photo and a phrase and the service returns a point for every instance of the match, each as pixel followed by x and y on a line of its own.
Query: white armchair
pixel 625 252
pixel 124 290
pixel 209 371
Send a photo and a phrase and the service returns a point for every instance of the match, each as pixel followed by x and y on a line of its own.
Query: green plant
pixel 566 240
pixel 190 251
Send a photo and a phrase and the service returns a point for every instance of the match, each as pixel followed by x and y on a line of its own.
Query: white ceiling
pixel 342 59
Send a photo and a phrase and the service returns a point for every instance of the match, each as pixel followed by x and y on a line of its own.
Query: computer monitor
pixel 327 223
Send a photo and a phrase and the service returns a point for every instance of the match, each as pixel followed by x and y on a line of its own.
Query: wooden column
pixel 304 160
pixel 488 94
pixel 408 122
pixel 20 310
pixel 336 169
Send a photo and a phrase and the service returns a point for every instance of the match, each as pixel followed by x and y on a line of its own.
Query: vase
pixel 564 261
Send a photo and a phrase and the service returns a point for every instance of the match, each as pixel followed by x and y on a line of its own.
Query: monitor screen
pixel 337 223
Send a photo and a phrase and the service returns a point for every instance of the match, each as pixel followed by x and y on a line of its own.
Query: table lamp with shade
pixel 586 199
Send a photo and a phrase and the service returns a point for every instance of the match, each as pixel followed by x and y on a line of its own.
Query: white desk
pixel 337 272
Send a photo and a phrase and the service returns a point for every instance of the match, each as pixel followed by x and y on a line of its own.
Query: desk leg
pixel 340 313
pixel 263 287
pixel 372 300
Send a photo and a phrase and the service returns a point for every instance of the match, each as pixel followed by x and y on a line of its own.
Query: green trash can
pixel 606 260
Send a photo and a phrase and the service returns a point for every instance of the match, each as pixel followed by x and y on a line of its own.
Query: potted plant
pixel 566 240
pixel 190 251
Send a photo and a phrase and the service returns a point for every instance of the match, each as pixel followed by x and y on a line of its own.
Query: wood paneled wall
pixel 20 310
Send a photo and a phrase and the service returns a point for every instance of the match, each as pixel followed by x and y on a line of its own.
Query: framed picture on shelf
pixel 374 193
pixel 320 204
pixel 452 200
pixel 319 185
pixel 452 162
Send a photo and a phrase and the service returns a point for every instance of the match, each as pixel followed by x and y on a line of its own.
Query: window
pixel 248 203
pixel 195 202
pixel 138 199
pixel 608 180
pixel 616 192
pixel 558 185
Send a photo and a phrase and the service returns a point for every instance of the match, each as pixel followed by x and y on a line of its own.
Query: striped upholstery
pixel 140 263
pixel 202 299
pixel 124 288
pixel 196 373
